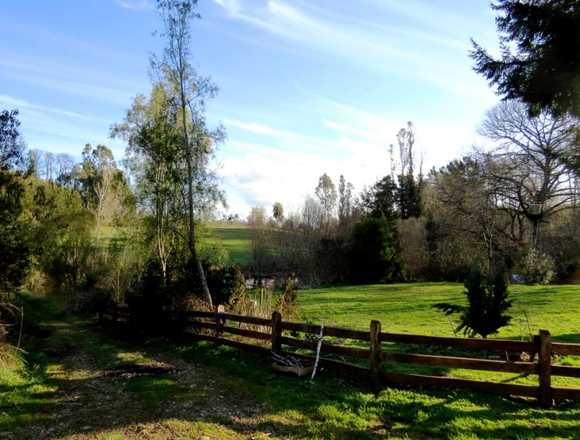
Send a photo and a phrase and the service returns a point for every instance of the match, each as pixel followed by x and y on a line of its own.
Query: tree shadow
pixel 239 391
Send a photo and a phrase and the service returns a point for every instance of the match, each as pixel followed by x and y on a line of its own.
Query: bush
pixel 537 268
pixel 487 303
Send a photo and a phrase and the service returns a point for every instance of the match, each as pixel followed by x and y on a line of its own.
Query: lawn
pixel 408 308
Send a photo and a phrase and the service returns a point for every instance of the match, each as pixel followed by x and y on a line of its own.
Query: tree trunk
pixel 195 262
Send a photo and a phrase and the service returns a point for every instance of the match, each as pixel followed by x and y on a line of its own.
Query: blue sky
pixel 306 87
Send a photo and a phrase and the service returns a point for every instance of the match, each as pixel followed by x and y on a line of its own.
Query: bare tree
pixel 326 193
pixel 526 169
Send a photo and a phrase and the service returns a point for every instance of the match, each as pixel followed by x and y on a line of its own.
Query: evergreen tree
pixel 543 68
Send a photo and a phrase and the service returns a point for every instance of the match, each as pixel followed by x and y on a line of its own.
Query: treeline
pixel 512 207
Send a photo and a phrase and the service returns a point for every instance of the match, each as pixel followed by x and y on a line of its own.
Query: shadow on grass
pixel 238 391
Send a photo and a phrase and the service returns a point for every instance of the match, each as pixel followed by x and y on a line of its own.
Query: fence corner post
pixel 545 368
pixel 276 332
pixel 375 357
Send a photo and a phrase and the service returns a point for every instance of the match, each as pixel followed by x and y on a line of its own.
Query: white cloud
pixel 260 129
pixel 135 4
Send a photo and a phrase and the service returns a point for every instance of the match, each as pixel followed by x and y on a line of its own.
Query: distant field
pixel 235 239
pixel 409 308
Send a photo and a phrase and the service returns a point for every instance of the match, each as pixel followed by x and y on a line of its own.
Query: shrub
pixel 487 301
pixel 537 267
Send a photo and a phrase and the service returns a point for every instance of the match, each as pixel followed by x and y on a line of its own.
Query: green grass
pixel 408 308
pixel 235 239
pixel 59 391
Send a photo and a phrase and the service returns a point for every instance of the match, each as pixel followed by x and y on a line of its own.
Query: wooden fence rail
pixel 275 333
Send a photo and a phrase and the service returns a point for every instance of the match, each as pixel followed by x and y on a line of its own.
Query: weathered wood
pixel 461 362
pixel 229 316
pixel 470 343
pixel 341 369
pixel 375 354
pixel 276 334
pixel 565 393
pixel 545 369
pixel 230 343
pixel 246 333
pixel 564 370
pixel 419 380
pixel 566 349
pixel 326 347
pixel 328 331
pixel 199 324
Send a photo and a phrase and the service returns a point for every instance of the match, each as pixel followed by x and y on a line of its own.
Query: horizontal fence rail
pixel 272 335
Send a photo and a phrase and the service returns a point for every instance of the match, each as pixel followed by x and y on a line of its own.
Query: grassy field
pixel 74 382
pixel 408 308
pixel 235 239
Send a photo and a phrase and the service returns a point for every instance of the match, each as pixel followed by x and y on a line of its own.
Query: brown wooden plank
pixel 199 324
pixel 419 380
pixel 461 362
pixel 230 343
pixel 229 317
pixel 342 369
pixel 248 319
pixel 326 348
pixel 564 370
pixel 566 393
pixel 566 349
pixel 476 344
pixel 246 333
pixel 337 332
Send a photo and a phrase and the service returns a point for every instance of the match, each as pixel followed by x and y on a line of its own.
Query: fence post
pixel 276 332
pixel 545 368
pixel 220 321
pixel 375 358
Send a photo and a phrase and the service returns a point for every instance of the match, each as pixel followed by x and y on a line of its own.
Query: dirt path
pixel 99 389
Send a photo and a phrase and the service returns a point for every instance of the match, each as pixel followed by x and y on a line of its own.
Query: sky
pixel 306 87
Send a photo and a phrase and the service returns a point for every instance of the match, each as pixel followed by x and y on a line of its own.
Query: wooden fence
pixel 273 334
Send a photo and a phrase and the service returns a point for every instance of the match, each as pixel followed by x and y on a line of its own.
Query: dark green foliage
pixel 374 251
pixel 544 68
pixel 487 305
pixel 11 144
pixel 224 282
pixel 14 252
pixel 380 199
pixel 409 196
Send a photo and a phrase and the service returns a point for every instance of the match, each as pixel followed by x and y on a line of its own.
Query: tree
pixel 540 54
pixel 487 305
pixel 379 200
pixel 14 249
pixel 526 171
pixel 408 190
pixel 190 91
pixel 326 193
pixel 11 143
pixel 278 212
pixel 102 185
pixel 345 200
pixel 150 128
pixel 374 254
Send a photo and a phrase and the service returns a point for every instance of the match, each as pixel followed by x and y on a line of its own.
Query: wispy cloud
pixel 260 129
pixel 135 4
